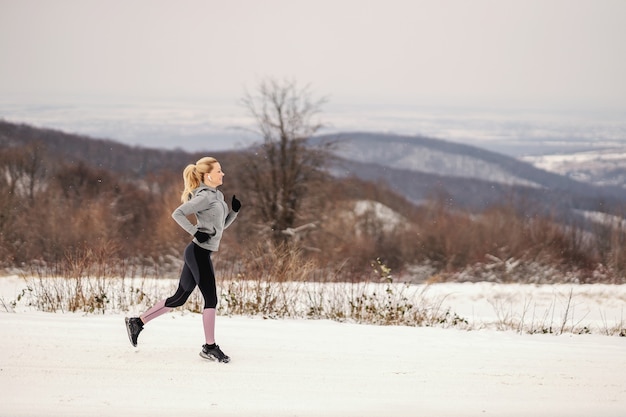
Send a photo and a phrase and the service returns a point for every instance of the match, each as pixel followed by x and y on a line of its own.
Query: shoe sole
pixel 130 334
pixel 213 358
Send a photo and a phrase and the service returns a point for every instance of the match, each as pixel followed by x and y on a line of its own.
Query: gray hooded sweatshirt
pixel 212 215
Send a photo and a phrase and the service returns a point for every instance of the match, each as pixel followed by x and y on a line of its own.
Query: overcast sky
pixel 544 54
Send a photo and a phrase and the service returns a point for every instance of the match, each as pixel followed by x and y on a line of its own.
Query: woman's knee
pixel 210 303
pixel 177 299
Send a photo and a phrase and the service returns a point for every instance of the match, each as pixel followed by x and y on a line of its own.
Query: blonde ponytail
pixel 193 175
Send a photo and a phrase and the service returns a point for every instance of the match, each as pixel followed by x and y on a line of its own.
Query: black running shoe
pixel 214 353
pixel 134 326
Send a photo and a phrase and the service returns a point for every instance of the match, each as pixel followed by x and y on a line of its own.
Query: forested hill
pixel 468 176
pixel 98 153
pixel 417 167
pixel 63 192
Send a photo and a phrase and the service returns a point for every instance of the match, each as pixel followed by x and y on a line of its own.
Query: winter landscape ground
pixel 75 364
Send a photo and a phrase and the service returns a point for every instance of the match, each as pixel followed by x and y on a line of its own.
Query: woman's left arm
pixel 232 215
pixel 230 218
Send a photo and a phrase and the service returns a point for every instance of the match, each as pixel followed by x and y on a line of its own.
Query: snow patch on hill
pixel 605 167
pixel 412 157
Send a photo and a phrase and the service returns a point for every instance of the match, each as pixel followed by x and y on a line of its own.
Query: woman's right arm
pixel 192 206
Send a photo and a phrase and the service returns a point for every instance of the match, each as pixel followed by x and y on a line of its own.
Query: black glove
pixel 201 236
pixel 235 204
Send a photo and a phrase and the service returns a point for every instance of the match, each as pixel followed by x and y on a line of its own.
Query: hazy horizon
pixel 203 125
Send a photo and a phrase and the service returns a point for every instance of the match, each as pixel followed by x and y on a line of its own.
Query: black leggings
pixel 198 270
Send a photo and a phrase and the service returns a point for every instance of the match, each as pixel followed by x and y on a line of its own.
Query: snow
pixel 601 166
pixel 388 218
pixel 73 364
pixel 414 157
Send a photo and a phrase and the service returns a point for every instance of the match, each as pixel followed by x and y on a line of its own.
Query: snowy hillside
pixel 364 212
pixel 606 167
pixel 470 177
pixel 420 156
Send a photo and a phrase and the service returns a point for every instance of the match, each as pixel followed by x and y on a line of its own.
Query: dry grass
pixel 379 301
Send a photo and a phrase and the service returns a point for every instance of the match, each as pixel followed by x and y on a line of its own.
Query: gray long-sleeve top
pixel 212 215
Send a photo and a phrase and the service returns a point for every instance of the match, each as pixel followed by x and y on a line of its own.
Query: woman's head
pixel 206 170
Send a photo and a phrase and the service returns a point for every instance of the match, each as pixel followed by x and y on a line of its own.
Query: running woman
pixel 201 198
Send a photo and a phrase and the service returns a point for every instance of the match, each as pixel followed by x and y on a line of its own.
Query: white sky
pixel 536 54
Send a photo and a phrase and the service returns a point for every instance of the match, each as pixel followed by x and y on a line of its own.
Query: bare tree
pixel 281 171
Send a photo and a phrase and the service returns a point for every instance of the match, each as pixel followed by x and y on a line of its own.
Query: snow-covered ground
pixel 71 364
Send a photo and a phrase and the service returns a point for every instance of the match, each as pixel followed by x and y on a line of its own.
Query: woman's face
pixel 215 177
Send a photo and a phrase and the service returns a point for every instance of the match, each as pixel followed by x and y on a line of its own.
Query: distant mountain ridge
pixel 471 177
pixel 100 153
pixel 420 168
pixel 433 156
